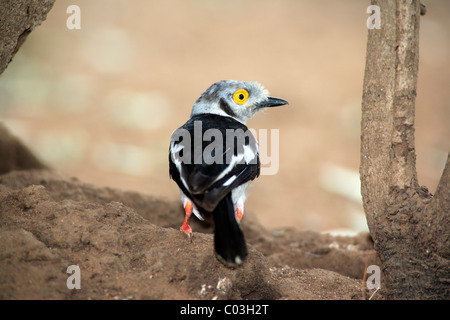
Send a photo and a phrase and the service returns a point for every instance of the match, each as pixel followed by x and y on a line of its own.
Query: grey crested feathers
pixel 218 99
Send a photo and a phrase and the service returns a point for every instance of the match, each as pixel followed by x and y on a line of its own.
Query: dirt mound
pixel 128 246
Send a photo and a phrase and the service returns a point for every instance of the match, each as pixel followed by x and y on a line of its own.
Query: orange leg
pixel 239 214
pixel 185 226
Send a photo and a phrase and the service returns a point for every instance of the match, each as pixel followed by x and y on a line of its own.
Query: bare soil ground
pixel 128 246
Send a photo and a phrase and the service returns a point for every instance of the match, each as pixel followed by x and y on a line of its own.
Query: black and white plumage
pixel 214 156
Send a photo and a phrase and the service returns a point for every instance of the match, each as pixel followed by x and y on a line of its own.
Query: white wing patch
pixel 175 148
pixel 248 156
pixel 229 181
pixel 174 152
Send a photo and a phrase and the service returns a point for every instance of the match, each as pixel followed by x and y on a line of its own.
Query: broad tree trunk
pixel 410 226
pixel 17 19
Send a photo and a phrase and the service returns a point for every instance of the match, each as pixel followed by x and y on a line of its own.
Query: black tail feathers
pixel 229 240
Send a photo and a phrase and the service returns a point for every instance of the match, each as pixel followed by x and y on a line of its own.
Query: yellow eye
pixel 240 96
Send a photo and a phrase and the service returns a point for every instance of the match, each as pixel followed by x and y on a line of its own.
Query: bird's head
pixel 238 99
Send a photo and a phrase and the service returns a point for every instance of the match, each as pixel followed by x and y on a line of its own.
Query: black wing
pixel 206 171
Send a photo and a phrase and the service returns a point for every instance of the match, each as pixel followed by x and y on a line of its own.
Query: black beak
pixel 271 102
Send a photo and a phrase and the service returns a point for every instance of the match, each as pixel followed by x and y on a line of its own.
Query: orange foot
pixel 185 227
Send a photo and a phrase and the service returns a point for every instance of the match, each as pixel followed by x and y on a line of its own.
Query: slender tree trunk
pixel 410 227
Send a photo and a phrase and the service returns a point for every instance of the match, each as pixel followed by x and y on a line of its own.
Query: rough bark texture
pixel 17 19
pixel 410 226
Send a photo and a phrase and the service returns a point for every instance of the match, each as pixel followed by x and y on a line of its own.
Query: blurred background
pixel 101 103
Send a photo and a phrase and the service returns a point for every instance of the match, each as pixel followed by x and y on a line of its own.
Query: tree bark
pixel 410 226
pixel 17 19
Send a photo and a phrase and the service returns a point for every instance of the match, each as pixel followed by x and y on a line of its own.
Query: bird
pixel 213 158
